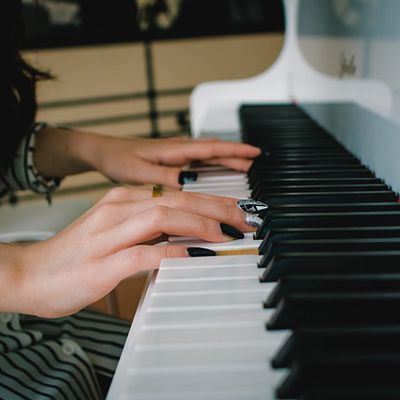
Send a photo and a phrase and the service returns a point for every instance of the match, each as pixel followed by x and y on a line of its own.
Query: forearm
pixel 60 152
pixel 14 294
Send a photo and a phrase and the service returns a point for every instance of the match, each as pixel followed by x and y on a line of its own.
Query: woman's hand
pixel 109 243
pixel 61 152
pixel 161 160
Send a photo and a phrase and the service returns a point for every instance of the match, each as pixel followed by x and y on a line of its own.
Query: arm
pixel 13 296
pixel 60 152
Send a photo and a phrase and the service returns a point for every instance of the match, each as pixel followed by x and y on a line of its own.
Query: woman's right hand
pixel 110 242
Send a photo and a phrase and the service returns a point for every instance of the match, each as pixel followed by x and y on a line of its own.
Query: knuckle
pixel 103 212
pixel 204 225
pixel 138 255
pixel 227 211
pixel 117 193
pixel 174 251
pixel 160 213
pixel 180 199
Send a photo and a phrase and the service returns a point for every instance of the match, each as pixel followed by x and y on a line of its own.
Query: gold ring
pixel 157 190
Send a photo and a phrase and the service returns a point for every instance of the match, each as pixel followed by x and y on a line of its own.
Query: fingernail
pixel 251 206
pixel 187 176
pixel 200 252
pixel 231 231
pixel 253 220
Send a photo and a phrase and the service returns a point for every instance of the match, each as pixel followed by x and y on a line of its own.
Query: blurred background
pixel 127 67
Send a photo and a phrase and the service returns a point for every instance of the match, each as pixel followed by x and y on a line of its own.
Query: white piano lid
pixel 214 105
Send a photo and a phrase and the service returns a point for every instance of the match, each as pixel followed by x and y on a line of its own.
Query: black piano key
pixel 318 245
pixel 261 185
pixel 330 207
pixel 331 157
pixel 335 309
pixel 333 232
pixel 327 197
pixel 314 167
pixel 327 341
pixel 340 219
pixel 266 162
pixel 343 378
pixel 270 191
pixel 313 263
pixel 293 284
pixel 321 173
pixel 328 233
pixel 268 156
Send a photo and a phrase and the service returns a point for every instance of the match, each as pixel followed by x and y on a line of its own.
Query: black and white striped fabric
pixel 64 358
pixel 22 174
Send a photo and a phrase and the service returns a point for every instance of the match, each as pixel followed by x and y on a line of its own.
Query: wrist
pixel 60 152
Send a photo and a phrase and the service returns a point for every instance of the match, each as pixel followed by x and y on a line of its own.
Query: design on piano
pixel 252 206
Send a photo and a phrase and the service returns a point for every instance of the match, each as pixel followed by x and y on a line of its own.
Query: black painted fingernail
pixel 252 206
pixel 231 231
pixel 187 176
pixel 200 252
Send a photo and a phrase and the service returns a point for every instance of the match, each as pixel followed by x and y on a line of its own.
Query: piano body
pixel 316 314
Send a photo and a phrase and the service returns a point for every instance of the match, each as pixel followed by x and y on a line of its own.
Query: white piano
pixel 200 333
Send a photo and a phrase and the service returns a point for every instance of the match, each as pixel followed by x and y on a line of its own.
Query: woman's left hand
pixel 161 160
pixel 60 152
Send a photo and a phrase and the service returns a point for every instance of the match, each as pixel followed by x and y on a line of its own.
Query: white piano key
pixel 248 236
pixel 200 285
pixel 191 356
pixel 235 194
pixel 256 381
pixel 168 274
pixel 238 244
pixel 240 181
pixel 181 336
pixel 202 188
pixel 222 176
pixel 241 260
pixel 234 313
pixel 249 297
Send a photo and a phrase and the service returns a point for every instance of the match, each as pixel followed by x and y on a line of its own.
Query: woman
pixel 54 351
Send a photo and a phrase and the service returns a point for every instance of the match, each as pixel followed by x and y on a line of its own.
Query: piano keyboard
pixel 314 316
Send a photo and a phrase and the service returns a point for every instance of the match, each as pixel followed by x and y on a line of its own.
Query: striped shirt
pixel 64 358
pixel 22 174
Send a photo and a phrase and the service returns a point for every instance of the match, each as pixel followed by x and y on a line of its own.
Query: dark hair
pixel 17 83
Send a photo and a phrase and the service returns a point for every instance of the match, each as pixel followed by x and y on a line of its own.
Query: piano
pixel 315 313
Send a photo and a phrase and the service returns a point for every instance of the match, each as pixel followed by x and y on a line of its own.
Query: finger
pixel 203 150
pixel 238 164
pixel 222 209
pixel 130 261
pixel 146 172
pixel 156 222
